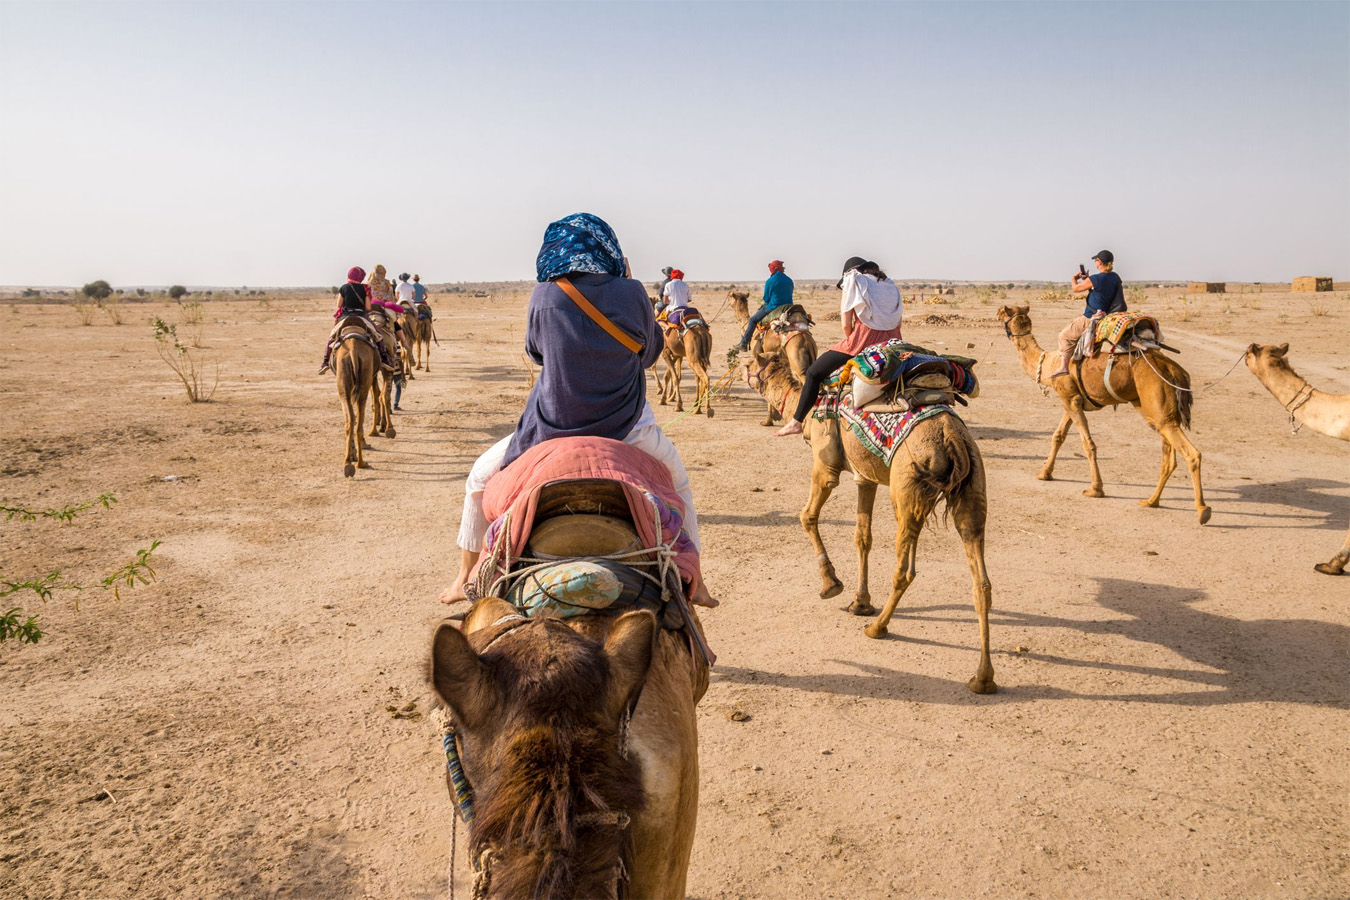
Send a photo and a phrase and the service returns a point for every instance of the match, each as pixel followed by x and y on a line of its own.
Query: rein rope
pixel 1296 403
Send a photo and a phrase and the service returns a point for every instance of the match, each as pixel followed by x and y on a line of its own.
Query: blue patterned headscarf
pixel 580 242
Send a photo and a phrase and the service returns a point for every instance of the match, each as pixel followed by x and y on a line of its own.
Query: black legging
pixel 825 365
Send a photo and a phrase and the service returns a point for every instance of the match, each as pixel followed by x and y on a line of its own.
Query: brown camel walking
pixel 939 460
pixel 796 345
pixel 1324 413
pixel 572 796
pixel 1150 382
pixel 419 339
pixel 695 344
pixel 355 361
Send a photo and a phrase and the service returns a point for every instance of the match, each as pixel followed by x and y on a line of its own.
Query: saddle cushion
pixel 565 589
pixel 881 433
pixel 423 310
pixel 569 536
pixel 1116 328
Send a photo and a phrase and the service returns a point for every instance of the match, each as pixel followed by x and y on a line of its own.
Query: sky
pixel 272 144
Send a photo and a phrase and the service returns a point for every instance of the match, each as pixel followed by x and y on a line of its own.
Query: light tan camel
pixel 1141 380
pixel 382 389
pixel 740 307
pixel 355 361
pixel 694 344
pixel 1324 413
pixel 797 347
pixel 567 803
pixel 940 460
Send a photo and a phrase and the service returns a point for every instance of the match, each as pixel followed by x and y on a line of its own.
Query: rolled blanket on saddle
pixel 900 375
pixel 1114 329
pixel 512 503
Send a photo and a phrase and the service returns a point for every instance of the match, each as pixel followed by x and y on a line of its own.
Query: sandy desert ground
pixel 1172 715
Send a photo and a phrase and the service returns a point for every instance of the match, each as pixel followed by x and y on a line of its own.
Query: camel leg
pixel 1169 465
pixel 1089 449
pixel 361 399
pixel 675 384
pixel 351 432
pixel 969 512
pixel 704 398
pixel 426 354
pixel 1337 564
pixel 862 540
pixel 772 417
pixel 822 483
pixel 1047 472
pixel 909 524
pixel 1177 438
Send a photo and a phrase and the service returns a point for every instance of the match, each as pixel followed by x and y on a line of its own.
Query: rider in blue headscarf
pixel 580 242
pixel 590 383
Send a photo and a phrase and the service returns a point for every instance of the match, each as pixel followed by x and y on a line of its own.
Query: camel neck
pixel 1029 355
pixel 1324 413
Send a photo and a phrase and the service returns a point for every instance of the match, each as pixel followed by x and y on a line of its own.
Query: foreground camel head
pixel 1264 357
pixel 540 712
pixel 739 296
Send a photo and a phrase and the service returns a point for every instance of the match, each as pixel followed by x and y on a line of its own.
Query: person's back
pixel 589 383
pixel 405 290
pixel 677 295
pixel 419 292
pixel 778 290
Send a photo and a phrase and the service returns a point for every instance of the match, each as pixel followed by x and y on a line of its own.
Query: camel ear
pixel 1279 351
pixel 460 677
pixel 485 612
pixel 1004 312
pixel 1021 310
pixel 629 649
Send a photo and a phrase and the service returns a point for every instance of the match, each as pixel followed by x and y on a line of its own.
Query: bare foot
pixel 701 597
pixel 453 594
pixel 792 427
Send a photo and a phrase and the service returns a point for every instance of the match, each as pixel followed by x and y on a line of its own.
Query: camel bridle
pixel 1007 326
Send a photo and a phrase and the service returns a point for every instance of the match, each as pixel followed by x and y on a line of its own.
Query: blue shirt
pixel 419 292
pixel 777 290
pixel 589 383
pixel 1105 287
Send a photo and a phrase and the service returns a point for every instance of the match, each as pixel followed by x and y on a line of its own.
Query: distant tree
pixel 30 292
pixel 177 292
pixel 1011 285
pixel 335 289
pixel 97 290
pixel 140 292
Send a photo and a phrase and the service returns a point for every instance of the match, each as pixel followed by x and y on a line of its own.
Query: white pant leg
pixel 473 525
pixel 648 437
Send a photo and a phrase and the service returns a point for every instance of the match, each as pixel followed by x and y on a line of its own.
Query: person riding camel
pixel 1105 295
pixel 871 311
pixel 419 292
pixel 591 381
pixel 405 290
pixel 661 288
pixel 354 302
pixel 777 292
pixel 675 297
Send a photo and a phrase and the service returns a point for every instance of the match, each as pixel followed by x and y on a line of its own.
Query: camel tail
pixel 950 481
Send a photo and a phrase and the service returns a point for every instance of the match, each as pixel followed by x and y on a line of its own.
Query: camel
pixel 572 797
pixel 940 460
pixel 382 389
pixel 1324 413
pixel 740 307
pixel 355 361
pixel 695 344
pixel 419 338
pixel 1150 382
pixel 797 346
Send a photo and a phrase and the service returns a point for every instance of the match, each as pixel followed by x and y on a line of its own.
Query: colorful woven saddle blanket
pixel 900 362
pixel 881 433
pixel 683 319
pixel 1126 329
pixel 778 316
pixel 423 310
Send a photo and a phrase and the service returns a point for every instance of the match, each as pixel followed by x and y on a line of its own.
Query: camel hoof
pixel 833 589
pixel 1328 569
pixel 1094 492
pixel 767 423
pixel 1045 476
pixel 710 413
pixel 1149 504
pixel 349 470
pixel 390 432
pixel 861 609
pixel 363 465
pixel 1205 514
pixel 979 685
pixel 876 631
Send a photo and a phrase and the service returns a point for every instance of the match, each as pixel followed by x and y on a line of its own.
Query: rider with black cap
pixel 1105 294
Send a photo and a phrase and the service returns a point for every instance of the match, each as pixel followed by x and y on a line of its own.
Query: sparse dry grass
pixel 85 311
pixel 1319 308
pixel 113 307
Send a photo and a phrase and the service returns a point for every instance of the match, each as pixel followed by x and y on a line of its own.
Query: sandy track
pixel 1171 721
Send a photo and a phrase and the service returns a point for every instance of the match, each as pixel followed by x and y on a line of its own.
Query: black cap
pixel 852 263
pixel 667 270
pixel 1106 256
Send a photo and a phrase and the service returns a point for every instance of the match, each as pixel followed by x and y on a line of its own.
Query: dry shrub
pixel 1318 308
pixel 113 307
pixel 1136 297
pixel 190 313
pixel 184 363
pixel 1187 310
pixel 85 311
pixel 1249 302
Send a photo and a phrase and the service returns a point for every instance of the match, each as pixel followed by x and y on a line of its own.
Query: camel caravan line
pixel 569 687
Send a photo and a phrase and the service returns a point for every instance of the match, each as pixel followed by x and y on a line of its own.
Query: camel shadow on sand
pixel 1238 661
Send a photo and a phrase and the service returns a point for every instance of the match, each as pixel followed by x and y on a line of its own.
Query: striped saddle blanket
pixel 881 433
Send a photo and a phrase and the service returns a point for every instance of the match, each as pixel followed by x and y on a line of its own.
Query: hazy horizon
pixel 220 144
